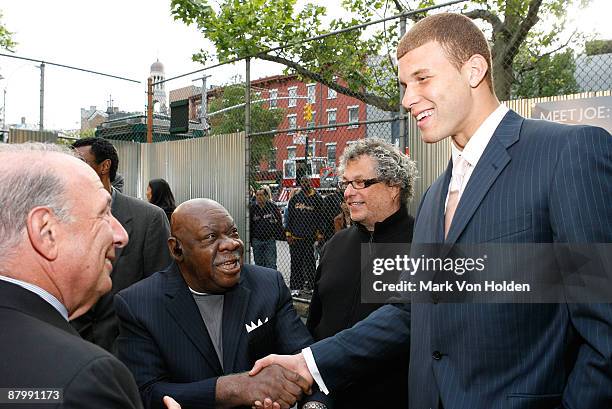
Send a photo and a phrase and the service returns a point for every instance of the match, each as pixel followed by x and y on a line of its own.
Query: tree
pixel 596 47
pixel 232 120
pixel 237 29
pixel 6 37
pixel 546 76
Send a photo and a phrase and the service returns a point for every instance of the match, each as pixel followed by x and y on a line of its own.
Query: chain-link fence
pixel 299 122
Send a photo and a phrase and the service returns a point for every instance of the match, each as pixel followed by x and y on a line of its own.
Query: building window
pixel 311 123
pixel 272 159
pixel 292 96
pixel 312 93
pixel 292 122
pixel 331 153
pixel 312 148
pixel 353 115
pixel 331 94
pixel 273 98
pixel 331 118
pixel 290 152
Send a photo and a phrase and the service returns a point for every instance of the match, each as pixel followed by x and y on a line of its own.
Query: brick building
pixel 325 146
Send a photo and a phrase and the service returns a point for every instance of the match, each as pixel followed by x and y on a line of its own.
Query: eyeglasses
pixel 358 184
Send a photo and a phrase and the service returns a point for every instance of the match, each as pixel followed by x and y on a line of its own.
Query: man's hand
pixel 295 363
pixel 274 382
pixel 171 403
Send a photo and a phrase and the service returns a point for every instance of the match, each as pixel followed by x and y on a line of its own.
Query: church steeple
pixel 159 90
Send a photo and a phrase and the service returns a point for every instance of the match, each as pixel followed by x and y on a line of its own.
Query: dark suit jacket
pixel 164 341
pixel 39 349
pixel 536 182
pixel 147 252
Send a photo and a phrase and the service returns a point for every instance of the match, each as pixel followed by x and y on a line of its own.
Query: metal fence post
pixel 247 156
pixel 402 110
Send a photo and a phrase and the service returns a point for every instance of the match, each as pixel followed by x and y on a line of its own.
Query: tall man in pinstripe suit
pixel 190 330
pixel 510 180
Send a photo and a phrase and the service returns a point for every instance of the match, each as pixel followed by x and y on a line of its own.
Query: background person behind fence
pixel 305 221
pixel 160 194
pixel 266 228
pixel 377 181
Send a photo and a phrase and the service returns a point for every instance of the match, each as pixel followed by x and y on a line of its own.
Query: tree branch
pixel 368 98
pixel 531 66
pixel 487 16
pixel 519 35
pixel 399 6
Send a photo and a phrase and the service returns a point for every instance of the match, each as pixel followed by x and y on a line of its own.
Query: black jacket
pixel 266 222
pixel 39 349
pixel 336 305
pixel 305 215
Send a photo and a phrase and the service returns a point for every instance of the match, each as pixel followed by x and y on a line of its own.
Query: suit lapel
pixel 120 211
pixel 15 297
pixel 492 162
pixel 181 305
pixel 234 313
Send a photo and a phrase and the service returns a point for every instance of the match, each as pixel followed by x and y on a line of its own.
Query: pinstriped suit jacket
pixel 165 344
pixel 537 182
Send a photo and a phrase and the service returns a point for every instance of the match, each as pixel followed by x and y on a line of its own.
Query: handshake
pixel 275 382
pixel 297 376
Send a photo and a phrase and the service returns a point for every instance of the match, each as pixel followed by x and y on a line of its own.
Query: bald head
pixel 206 246
pixel 190 212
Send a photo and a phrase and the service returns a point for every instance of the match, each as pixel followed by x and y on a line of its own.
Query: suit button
pixel 437 355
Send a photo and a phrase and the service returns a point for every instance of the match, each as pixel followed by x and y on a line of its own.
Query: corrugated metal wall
pixel 17 135
pixel 432 159
pixel 212 167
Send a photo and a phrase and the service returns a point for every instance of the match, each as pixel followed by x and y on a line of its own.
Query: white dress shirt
pixel 476 145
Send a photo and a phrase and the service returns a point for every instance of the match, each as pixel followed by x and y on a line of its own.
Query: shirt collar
pixel 475 147
pixel 45 295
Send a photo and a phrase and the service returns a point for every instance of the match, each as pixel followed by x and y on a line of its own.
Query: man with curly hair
pixel 377 181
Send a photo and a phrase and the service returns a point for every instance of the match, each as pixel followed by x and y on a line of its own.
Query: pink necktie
pixel 459 168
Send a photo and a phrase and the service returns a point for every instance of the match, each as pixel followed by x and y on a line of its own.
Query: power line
pixel 68 66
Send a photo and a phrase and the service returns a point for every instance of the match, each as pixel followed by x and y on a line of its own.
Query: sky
pixel 124 38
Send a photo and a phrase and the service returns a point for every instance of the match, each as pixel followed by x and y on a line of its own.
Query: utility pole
pixel 204 103
pixel 150 110
pixel 42 96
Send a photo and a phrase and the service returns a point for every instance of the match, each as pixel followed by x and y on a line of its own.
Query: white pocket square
pixel 253 325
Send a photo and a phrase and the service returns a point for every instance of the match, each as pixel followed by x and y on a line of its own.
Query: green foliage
pixel 549 75
pixel 230 121
pixel 6 37
pixel 364 60
pixel 596 47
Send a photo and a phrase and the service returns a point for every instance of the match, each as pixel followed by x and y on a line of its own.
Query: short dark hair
pixel 102 149
pixel 459 37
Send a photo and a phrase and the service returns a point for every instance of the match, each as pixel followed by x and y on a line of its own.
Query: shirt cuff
pixel 314 371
